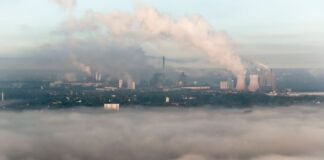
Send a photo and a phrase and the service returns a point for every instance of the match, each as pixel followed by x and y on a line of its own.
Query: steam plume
pixel 83 67
pixel 147 25
pixel 66 4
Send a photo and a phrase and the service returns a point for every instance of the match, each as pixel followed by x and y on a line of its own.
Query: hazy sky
pixel 264 30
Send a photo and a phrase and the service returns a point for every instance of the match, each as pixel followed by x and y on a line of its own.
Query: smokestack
pixel 254 83
pixel 240 84
pixel 163 63
pixel 2 96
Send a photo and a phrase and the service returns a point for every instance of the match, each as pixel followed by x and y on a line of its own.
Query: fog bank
pixel 288 133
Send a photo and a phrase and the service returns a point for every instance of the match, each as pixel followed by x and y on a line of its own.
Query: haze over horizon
pixel 284 34
pixel 161 80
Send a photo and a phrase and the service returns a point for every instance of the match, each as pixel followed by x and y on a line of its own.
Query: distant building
pixel 111 106
pixel 167 99
pixel 231 84
pixel 108 88
pixel 203 87
pixel 182 79
pixel 56 84
pixel 223 85
pixel 271 80
pixel 267 81
pixel 131 85
pixel 158 80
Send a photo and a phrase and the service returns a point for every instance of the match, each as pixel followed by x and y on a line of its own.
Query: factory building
pixel 231 84
pixel 267 81
pixel 111 106
pixel 271 80
pixel 182 79
pixel 223 85
pixel 195 87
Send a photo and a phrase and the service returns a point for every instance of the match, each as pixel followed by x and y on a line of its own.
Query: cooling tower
pixel 254 83
pixel 240 84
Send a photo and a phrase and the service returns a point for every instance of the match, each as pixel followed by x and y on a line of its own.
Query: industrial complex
pixel 256 86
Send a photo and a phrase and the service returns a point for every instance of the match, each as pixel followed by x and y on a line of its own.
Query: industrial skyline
pixel 161 80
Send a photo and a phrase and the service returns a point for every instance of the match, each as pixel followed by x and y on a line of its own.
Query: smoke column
pixel 83 67
pixel 147 25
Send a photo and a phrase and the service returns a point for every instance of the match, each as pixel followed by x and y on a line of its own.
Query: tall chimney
pixel 163 63
pixel 240 84
pixel 2 96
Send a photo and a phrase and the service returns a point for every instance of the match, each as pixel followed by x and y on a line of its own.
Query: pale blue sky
pixel 258 27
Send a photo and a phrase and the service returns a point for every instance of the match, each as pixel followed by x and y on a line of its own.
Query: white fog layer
pixel 285 133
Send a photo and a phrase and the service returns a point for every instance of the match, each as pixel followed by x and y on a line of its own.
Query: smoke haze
pixel 86 56
pixel 287 133
pixel 147 26
pixel 66 4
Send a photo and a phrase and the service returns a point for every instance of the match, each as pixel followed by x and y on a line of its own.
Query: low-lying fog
pixel 283 133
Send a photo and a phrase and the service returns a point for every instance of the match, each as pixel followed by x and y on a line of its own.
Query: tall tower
pixel 163 63
pixel 2 96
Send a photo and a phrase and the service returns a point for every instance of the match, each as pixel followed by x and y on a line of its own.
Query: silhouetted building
pixel 182 79
pixel 223 85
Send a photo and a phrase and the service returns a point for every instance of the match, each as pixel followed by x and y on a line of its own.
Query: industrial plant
pixel 165 87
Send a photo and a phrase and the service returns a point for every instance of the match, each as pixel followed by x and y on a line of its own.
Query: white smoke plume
pixel 281 133
pixel 263 66
pixel 147 25
pixel 66 4
pixel 83 67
